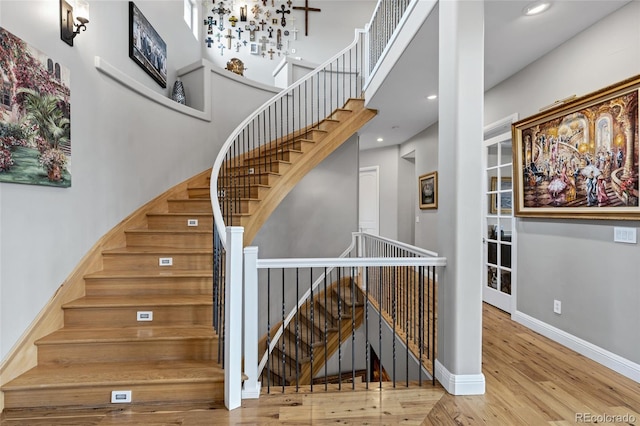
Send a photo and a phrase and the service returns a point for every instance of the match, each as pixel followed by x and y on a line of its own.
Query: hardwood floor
pixel 530 381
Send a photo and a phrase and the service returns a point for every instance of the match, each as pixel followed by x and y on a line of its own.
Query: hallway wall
pixel 576 261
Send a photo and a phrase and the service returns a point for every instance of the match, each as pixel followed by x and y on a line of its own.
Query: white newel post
pixel 233 319
pixel 251 388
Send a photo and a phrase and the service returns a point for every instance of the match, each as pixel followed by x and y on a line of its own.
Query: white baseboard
pixel 610 360
pixel 459 384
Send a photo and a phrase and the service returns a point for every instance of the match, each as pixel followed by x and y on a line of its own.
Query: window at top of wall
pixel 191 16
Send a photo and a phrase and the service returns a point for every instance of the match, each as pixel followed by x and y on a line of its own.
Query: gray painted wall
pixel 576 261
pixel 425 146
pixel 387 159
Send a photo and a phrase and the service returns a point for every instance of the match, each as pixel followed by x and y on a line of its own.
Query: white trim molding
pixel 459 384
pixel 610 360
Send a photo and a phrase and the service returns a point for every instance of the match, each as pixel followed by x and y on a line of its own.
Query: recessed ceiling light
pixel 380 140
pixel 432 97
pixel 536 8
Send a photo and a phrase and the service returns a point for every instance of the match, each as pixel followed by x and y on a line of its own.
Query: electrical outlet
pixel 144 315
pixel 624 235
pixel 192 222
pixel 557 307
pixel 165 261
pixel 120 396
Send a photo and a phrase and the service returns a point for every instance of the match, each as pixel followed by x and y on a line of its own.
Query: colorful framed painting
pixel 580 159
pixel 35 115
pixel 428 190
pixel 146 47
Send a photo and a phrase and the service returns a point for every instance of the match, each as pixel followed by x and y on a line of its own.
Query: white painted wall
pixel 340 17
pixel 125 148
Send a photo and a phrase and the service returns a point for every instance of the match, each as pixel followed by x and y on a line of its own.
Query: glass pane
pixel 505 281
pixel 492 204
pixel 505 255
pixel 492 156
pixel 506 203
pixel 505 175
pixel 506 154
pixel 492 277
pixel 492 253
pixel 492 228
pixel 506 225
pixel 492 180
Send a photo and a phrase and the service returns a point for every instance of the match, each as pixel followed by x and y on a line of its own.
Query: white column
pixel 251 388
pixel 233 319
pixel 461 100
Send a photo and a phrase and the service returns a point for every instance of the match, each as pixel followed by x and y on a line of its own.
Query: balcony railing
pixel 369 315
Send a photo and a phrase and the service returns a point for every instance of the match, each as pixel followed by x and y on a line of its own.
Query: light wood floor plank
pixel 530 380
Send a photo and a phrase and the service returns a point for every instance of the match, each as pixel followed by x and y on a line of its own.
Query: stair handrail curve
pixel 327 66
pixel 357 246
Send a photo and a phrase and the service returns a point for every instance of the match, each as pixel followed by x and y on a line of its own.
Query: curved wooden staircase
pixel 156 264
pixel 104 347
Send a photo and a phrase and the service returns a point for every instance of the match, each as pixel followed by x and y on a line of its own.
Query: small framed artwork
pixel 146 47
pixel 428 190
pixel 580 160
pixel 504 197
pixel 255 49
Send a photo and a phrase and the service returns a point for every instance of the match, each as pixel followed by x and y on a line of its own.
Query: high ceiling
pixel 512 41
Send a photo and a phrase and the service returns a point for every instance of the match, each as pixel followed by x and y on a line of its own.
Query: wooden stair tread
pixel 116 375
pixel 139 301
pixel 126 334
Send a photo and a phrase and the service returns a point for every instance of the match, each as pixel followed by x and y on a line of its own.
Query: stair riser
pixel 275 155
pixel 161 350
pixel 150 262
pixel 249 191
pixel 199 192
pixel 148 286
pixel 190 206
pixel 243 206
pixel 178 239
pixel 100 396
pixel 180 223
pixel 258 167
pixel 127 316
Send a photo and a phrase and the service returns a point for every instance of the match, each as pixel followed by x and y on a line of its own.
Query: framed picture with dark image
pixel 428 190
pixel 146 47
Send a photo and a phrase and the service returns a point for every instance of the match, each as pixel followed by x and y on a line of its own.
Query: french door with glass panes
pixel 499 235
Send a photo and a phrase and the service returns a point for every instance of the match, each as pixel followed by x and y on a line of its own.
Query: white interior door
pixel 369 200
pixel 499 224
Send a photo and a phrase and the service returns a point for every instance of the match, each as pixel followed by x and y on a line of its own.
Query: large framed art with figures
pixel 580 159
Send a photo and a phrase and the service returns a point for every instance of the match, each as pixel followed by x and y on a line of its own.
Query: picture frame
pixel 146 47
pixel 428 190
pixel 579 160
pixel 505 198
